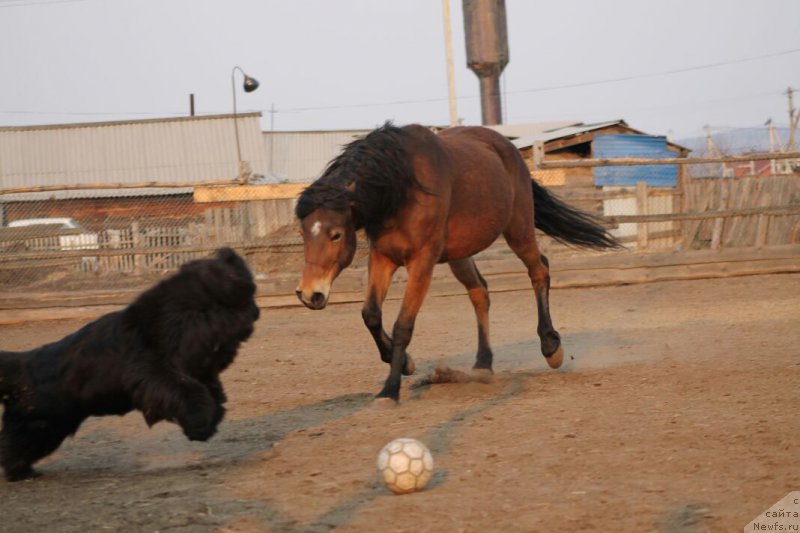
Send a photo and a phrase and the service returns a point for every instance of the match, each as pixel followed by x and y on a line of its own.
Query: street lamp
pixel 250 85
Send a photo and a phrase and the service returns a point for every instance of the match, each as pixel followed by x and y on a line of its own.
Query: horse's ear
pixel 351 190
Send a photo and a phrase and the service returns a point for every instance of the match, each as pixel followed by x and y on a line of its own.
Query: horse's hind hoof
pixel 556 359
pixel 409 366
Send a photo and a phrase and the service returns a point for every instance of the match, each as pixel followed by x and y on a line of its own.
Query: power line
pixel 654 74
pixel 559 87
pixel 441 99
pixel 29 3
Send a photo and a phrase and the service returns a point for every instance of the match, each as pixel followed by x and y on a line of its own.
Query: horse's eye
pixel 336 236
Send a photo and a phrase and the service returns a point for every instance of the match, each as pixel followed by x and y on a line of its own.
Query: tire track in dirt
pixel 438 439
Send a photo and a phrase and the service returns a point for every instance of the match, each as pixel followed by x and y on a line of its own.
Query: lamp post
pixel 250 85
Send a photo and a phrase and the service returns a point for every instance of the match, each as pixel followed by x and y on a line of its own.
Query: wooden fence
pixel 706 213
pixel 700 213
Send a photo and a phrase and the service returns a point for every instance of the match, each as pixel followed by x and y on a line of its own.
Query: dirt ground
pixel 679 412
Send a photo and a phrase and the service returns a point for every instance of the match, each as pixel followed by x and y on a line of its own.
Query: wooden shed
pixel 582 141
pixel 575 141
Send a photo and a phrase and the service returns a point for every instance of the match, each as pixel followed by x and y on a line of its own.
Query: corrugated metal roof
pixel 531 129
pixel 158 150
pixel 73 125
pixel 574 130
pixel 562 132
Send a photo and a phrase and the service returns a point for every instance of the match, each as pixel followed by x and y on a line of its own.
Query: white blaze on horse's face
pixel 329 243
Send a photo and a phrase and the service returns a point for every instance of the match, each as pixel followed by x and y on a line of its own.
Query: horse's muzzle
pixel 317 301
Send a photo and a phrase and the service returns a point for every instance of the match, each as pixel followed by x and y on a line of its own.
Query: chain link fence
pixel 76 240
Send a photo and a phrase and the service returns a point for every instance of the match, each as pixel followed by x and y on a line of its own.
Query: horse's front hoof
pixel 556 359
pixel 384 403
pixel 481 375
pixel 409 367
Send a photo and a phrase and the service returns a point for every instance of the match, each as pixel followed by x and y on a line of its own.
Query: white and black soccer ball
pixel 405 465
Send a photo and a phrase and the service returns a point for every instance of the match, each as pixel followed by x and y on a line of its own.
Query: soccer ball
pixel 405 465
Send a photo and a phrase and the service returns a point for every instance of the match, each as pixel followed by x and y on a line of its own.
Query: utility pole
pixel 793 118
pixel 272 138
pixel 775 145
pixel 451 76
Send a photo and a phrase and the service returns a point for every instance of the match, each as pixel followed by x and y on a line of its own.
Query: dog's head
pixel 225 282
pixel 225 278
pixel 206 309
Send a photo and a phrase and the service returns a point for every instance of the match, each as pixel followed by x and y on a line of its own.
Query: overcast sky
pixel 667 67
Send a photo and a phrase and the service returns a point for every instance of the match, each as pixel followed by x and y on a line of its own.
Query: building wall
pixel 164 150
pixel 301 156
pixel 607 145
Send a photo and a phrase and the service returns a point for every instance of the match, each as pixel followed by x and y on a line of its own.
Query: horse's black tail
pixel 10 373
pixel 567 224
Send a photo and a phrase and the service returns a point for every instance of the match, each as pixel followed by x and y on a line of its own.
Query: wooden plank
pixel 502 275
pixel 738 199
pixel 681 204
pixel 261 213
pixel 756 194
pixel 582 194
pixel 138 260
pixel 728 213
pixel 716 233
pixel 218 229
pixel 652 236
pixel 636 161
pixel 641 209
pixel 239 193
pixel 761 231
pixel 560 144
pixel 780 228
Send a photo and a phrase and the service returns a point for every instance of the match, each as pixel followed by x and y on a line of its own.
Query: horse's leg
pixel 467 273
pixel 381 270
pixel 525 247
pixel 419 280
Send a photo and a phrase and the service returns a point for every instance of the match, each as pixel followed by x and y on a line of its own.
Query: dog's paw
pixel 218 393
pixel 21 474
pixel 199 433
pixel 199 414
pixel 219 414
pixel 201 425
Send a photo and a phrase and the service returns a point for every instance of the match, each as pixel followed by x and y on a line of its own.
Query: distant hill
pixel 735 141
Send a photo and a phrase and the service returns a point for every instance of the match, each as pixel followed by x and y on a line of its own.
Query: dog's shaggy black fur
pixel 161 355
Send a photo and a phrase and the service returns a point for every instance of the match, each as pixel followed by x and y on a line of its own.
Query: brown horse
pixel 425 199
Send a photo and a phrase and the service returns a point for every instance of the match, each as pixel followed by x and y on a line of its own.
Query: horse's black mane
pixel 374 175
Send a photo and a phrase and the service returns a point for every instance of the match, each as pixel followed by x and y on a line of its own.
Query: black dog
pixel 161 355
